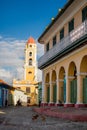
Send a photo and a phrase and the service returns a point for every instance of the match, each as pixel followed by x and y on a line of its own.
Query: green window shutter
pixel 48 94
pixel 54 41
pixel 62 33
pixel 47 47
pixel 73 91
pixel 84 14
pixel 85 90
pixel 64 90
pixel 71 25
pixel 54 93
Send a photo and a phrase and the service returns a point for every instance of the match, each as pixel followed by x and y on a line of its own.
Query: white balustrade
pixel 65 42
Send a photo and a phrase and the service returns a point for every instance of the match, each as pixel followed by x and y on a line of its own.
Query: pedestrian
pixel 39 103
pixel 6 103
pixel 28 102
pixel 19 102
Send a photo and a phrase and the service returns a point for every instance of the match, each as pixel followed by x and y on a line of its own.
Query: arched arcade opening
pixel 72 73
pixel 62 85
pixel 47 85
pixel 54 86
pixel 83 71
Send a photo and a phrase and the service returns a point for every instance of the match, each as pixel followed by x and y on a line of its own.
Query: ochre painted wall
pixel 30 74
pixel 77 21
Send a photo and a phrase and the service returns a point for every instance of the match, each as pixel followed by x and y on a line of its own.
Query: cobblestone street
pixel 23 118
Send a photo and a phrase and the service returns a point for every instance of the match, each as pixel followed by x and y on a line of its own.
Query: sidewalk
pixel 71 113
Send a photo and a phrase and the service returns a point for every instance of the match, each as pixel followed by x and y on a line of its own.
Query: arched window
pixel 28 89
pixel 30 45
pixel 30 53
pixel 30 61
pixel 30 72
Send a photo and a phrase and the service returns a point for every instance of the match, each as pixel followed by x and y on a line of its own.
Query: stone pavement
pixel 23 118
pixel 71 113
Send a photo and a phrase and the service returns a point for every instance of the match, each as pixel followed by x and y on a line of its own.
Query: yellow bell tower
pixel 30 65
pixel 28 84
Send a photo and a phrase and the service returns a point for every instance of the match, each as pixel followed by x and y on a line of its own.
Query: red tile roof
pixel 1 81
pixel 31 41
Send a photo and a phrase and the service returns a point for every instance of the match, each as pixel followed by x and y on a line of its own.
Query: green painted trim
pixel 73 91
pixel 48 94
pixel 85 90
pixel 54 93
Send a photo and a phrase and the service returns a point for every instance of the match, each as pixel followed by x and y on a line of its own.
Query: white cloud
pixel 12 58
pixel 40 50
pixel 20 72
pixel 6 76
pixel 39 75
pixel 4 73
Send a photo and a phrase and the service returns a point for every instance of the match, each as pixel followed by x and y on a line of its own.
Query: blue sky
pixel 20 19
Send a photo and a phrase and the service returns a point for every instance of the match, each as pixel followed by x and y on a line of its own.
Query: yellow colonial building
pixel 64 63
pixel 30 73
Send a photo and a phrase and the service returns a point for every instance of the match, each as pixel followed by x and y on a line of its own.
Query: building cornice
pixel 57 17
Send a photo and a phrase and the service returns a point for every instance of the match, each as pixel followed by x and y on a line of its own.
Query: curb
pixel 70 116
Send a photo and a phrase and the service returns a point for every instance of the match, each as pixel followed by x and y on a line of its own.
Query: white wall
pixel 19 95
